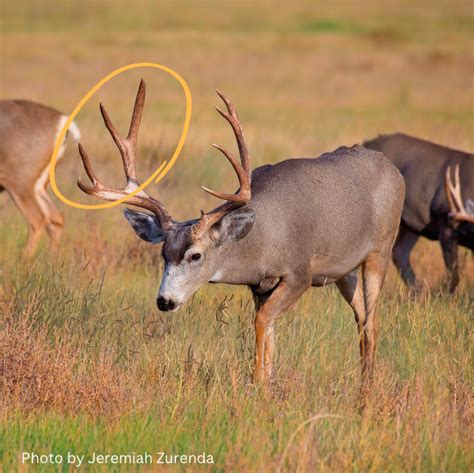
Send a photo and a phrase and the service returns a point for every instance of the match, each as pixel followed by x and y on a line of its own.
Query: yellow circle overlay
pixel 164 167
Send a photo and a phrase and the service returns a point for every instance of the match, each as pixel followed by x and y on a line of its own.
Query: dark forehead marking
pixel 176 244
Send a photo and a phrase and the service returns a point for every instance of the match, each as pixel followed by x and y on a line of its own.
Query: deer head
pixel 192 250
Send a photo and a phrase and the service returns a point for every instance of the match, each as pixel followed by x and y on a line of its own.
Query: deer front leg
pixel 404 244
pixel 449 247
pixel 264 349
pixel 374 270
pixel 350 287
pixel 284 296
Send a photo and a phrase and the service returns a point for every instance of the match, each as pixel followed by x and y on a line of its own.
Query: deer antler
pixel 453 193
pixel 128 149
pixel 242 169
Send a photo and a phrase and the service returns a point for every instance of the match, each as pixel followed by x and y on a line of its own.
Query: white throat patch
pixel 217 276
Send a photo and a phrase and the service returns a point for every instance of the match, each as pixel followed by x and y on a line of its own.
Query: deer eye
pixel 196 257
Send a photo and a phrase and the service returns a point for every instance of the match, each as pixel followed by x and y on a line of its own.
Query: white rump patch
pixel 73 130
pixel 61 123
pixel 40 184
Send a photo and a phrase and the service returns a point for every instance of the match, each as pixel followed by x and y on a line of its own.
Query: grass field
pixel 91 366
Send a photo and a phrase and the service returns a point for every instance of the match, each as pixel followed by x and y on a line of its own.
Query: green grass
pixel 330 25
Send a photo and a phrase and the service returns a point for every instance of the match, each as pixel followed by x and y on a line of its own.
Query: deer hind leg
pixel 449 247
pixel 54 219
pixel 374 270
pixel 404 244
pixel 28 206
pixel 351 289
pixel 283 297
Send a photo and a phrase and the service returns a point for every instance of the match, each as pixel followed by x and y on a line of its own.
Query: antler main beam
pixel 128 150
pixel 242 169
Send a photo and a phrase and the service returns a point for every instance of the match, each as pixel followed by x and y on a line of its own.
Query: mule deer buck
pixel 428 210
pixel 290 226
pixel 28 132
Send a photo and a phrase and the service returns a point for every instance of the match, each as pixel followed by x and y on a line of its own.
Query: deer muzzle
pixel 166 305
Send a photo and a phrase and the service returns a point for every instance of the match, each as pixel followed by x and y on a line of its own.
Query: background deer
pixel 290 226
pixel 28 132
pixel 429 208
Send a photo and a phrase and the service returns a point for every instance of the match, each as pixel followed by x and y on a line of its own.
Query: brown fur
pixel 28 132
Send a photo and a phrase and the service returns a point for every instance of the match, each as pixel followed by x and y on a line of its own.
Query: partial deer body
pixel 28 132
pixel 434 207
pixel 290 226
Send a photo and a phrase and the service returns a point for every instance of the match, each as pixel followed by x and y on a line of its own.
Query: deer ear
pixel 146 226
pixel 234 226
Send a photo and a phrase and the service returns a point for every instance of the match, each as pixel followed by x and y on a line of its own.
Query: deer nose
pixel 165 304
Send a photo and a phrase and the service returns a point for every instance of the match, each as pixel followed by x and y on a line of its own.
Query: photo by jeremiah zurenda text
pixel 133 458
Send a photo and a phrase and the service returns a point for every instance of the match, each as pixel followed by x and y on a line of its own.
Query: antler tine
pixel 233 118
pixel 242 169
pixel 119 140
pixel 448 187
pixel 137 113
pixel 453 191
pixel 87 164
pixel 237 167
pixel 243 194
pixel 223 196
pixel 453 194
pixel 457 188
pixel 127 148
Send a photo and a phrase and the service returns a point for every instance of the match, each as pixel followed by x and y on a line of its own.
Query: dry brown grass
pixel 41 373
